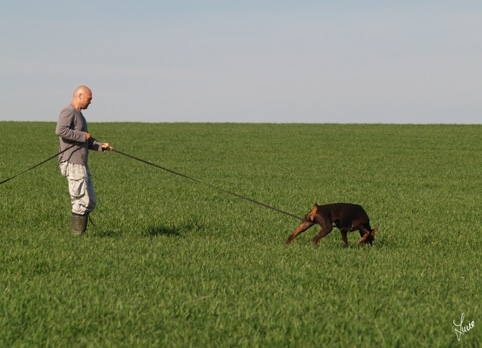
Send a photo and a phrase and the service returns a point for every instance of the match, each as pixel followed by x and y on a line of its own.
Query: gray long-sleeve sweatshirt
pixel 71 128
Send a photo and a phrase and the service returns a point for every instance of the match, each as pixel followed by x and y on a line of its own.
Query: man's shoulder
pixel 69 110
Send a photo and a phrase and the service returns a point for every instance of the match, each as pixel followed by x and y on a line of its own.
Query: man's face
pixel 85 99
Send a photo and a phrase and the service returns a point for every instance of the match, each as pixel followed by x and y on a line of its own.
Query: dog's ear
pixel 364 238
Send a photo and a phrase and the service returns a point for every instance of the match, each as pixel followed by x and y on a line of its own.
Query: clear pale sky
pixel 244 61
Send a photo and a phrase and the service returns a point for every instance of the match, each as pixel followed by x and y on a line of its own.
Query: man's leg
pixel 82 195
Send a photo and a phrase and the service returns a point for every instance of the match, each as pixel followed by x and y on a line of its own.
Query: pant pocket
pixel 64 168
pixel 77 171
pixel 77 188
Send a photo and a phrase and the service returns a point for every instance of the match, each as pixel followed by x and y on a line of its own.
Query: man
pixel 72 130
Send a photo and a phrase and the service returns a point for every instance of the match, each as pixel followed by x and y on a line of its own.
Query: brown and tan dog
pixel 346 217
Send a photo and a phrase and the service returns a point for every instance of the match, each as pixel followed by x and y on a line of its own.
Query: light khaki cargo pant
pixel 81 187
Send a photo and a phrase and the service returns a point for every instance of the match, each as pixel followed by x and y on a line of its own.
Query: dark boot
pixel 78 223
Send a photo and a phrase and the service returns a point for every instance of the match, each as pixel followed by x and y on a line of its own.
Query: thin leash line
pixel 167 170
pixel 207 184
pixel 37 165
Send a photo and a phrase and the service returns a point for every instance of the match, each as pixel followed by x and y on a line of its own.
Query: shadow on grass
pixel 171 231
pixel 162 231
pixel 106 234
pixel 154 231
pixel 150 232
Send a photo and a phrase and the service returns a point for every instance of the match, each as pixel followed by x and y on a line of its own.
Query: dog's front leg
pixel 344 237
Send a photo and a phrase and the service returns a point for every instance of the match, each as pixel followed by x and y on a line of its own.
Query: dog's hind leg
pixel 301 228
pixel 323 232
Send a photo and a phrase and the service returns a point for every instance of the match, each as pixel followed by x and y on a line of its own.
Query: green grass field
pixel 172 263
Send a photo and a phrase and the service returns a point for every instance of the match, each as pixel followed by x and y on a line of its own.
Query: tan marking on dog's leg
pixel 301 228
pixel 372 233
pixel 364 238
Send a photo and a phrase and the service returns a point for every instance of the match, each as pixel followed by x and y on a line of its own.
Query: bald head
pixel 82 97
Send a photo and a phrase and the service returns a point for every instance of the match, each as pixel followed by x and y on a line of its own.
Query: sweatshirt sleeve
pixel 64 129
pixel 95 145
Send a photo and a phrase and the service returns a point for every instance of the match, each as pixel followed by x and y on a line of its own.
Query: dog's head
pixel 368 237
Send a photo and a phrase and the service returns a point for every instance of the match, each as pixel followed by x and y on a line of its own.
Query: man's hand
pixel 87 136
pixel 106 146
